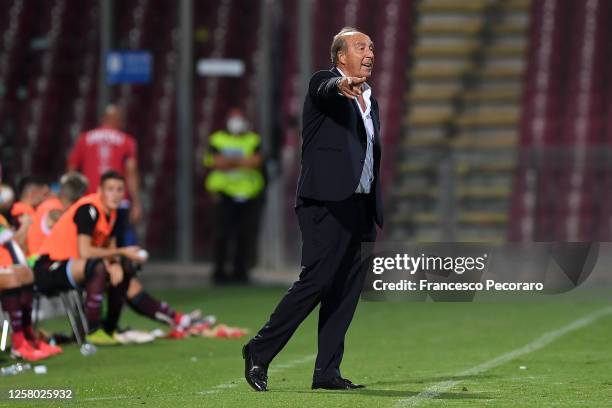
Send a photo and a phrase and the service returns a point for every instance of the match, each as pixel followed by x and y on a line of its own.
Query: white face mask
pixel 237 125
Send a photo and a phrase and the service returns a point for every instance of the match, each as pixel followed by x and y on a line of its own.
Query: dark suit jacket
pixel 334 144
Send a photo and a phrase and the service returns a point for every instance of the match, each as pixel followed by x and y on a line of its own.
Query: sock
pixel 116 297
pixel 25 299
pixel 146 305
pixel 94 288
pixel 17 340
pixel 11 306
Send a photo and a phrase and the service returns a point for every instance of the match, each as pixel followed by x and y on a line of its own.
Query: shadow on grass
pixel 373 389
pixel 372 392
pixel 434 379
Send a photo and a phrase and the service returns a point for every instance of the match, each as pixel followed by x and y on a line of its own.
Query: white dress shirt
pixel 367 173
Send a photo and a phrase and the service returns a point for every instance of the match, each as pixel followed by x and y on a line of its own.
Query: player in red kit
pixel 108 147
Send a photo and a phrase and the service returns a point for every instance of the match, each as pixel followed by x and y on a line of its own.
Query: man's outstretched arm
pixel 325 89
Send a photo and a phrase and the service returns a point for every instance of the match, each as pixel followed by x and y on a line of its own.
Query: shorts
pixel 51 276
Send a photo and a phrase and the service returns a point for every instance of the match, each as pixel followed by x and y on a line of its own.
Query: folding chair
pixel 72 301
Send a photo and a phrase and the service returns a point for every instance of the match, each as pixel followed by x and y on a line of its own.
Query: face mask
pixel 236 125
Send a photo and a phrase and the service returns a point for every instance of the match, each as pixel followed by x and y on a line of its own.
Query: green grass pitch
pixel 399 350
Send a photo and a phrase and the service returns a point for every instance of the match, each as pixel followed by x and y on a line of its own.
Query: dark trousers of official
pixel 234 231
pixel 332 275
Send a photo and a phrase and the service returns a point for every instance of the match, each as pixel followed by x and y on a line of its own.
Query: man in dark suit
pixel 338 203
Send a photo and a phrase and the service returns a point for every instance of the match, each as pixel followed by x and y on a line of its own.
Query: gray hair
pixel 339 43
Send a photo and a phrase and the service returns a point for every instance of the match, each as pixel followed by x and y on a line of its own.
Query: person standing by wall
pixel 235 181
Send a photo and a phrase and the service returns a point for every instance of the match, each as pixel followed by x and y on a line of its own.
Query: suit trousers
pixel 332 275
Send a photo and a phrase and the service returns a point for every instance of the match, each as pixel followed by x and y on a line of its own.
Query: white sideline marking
pixel 4 333
pixel 542 341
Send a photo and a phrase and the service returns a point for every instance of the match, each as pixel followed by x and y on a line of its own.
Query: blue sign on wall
pixel 128 67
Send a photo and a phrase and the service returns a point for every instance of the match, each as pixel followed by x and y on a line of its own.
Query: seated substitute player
pixel 72 186
pixel 81 251
pixel 16 295
pixel 31 191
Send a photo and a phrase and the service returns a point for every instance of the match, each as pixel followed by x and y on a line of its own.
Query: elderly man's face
pixel 359 56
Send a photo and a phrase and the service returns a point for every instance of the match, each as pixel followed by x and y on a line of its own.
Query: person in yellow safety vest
pixel 235 181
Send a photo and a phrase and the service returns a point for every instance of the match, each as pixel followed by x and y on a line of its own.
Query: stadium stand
pixel 229 29
pixel 559 190
pixel 152 110
pixel 457 152
pixel 494 90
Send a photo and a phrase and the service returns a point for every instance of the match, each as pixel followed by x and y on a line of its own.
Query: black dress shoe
pixel 337 383
pixel 255 375
pixel 351 385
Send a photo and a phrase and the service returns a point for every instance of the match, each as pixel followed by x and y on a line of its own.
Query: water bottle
pixel 88 349
pixel 6 371
pixel 15 369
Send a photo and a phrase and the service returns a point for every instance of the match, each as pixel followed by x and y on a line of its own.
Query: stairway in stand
pixel 458 150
